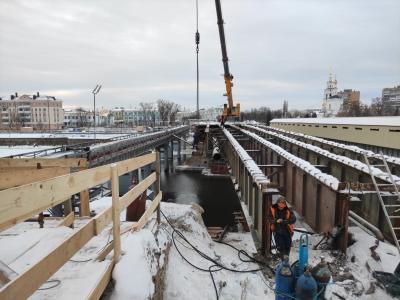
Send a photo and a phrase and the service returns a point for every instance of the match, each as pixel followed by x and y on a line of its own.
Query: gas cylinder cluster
pixel 300 280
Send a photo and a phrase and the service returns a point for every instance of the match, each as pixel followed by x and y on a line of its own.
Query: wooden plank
pixel 19 176
pixel 157 185
pixel 135 163
pixel 143 220
pixel 68 220
pixel 84 203
pixel 115 212
pixel 96 293
pixel 43 162
pixel 103 254
pixel 105 217
pixel 142 186
pixel 20 203
pixel 29 281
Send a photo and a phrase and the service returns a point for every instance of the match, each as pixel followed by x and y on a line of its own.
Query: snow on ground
pixel 152 249
pixel 25 244
pixel 7 151
pixel 151 265
pixel 353 278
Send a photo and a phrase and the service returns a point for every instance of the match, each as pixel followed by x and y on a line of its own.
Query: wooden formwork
pixel 20 203
pixel 20 171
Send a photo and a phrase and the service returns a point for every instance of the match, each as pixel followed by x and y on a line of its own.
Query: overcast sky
pixel 144 50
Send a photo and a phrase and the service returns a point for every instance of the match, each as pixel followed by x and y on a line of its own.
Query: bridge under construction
pixel 327 189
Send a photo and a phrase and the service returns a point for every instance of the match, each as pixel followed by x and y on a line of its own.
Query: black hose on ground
pixel 216 266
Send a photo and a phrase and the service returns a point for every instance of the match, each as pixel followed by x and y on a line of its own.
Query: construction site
pixel 224 209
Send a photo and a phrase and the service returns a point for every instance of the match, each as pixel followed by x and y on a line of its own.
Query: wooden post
pixel 68 209
pixel 115 211
pixel 84 205
pixel 84 197
pixel 158 183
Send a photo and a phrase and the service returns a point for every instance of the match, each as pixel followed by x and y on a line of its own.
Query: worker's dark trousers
pixel 283 242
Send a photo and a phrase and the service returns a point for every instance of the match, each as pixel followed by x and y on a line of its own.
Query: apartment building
pixel 36 111
pixel 391 100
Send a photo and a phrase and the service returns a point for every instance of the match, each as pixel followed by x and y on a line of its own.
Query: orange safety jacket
pixel 287 218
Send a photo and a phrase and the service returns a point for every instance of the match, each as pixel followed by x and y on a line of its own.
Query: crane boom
pixel 229 110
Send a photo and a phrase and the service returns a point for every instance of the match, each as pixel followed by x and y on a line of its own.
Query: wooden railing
pixel 20 203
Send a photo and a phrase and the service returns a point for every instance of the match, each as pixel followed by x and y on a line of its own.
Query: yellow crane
pixel 229 109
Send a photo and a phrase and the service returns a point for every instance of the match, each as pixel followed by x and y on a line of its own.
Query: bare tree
pixel 82 117
pixel 167 110
pixel 146 108
pixel 174 110
pixel 163 109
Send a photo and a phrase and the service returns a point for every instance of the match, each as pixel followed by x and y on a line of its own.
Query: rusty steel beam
pixel 347 167
pixel 310 196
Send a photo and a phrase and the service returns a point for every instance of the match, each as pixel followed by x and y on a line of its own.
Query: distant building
pixel 206 114
pixel 391 100
pixel 351 99
pixel 336 101
pixel 332 103
pixel 211 114
pixel 37 111
pixel 78 117
pixel 136 116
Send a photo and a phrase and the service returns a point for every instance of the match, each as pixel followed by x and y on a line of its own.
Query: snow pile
pixel 328 180
pixel 352 276
pixel 144 256
pixel 152 267
pixel 183 281
pixel 361 265
pixel 254 170
pixel 339 158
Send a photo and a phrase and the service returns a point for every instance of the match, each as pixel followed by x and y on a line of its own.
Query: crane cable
pixel 197 40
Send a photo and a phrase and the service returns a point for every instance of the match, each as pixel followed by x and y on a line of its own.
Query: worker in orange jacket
pixel 282 221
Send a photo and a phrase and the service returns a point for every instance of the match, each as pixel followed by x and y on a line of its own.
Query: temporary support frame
pixel 20 203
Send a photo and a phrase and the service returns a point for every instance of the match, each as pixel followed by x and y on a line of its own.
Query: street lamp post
pixel 95 91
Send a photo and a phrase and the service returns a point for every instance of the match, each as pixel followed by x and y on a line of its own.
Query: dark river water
pixel 215 195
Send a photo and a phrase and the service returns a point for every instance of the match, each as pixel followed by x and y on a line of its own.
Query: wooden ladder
pixel 389 200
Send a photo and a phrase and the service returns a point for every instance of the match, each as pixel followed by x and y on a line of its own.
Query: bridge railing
pixel 20 203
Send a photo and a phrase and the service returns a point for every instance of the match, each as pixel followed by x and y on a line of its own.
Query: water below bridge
pixel 216 195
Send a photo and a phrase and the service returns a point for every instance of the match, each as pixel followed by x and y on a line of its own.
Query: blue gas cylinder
pixel 303 253
pixel 284 280
pixel 306 287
